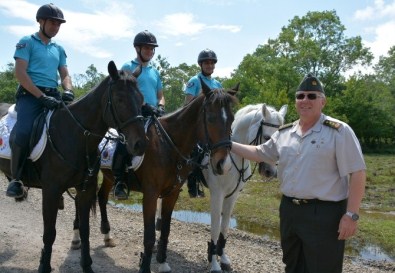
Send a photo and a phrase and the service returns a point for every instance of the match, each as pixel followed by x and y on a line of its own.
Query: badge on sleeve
pixel 190 84
pixel 20 45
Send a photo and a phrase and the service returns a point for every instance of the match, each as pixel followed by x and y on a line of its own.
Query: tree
pixel 8 84
pixel 313 43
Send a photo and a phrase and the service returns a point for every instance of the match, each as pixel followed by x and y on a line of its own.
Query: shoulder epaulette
pixel 285 126
pixel 333 124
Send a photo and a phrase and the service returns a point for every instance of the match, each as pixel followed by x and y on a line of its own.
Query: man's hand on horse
pixel 50 102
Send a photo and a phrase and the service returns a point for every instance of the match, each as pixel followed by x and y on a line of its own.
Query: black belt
pixel 47 89
pixel 301 201
pixel 43 89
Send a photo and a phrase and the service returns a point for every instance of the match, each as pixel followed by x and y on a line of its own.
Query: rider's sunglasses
pixel 310 96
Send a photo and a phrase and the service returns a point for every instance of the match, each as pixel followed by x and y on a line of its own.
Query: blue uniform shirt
pixel 43 60
pixel 149 81
pixel 193 86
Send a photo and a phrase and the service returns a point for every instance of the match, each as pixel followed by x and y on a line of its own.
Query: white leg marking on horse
pixel 164 268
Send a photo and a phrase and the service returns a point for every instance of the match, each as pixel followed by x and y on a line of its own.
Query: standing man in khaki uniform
pixel 322 174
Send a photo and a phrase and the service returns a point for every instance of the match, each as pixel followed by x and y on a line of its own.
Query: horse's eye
pixel 266 138
pixel 211 118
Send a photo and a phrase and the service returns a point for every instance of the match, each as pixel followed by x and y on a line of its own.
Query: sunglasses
pixel 310 96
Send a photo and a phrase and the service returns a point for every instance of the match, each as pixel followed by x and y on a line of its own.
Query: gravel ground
pixel 21 241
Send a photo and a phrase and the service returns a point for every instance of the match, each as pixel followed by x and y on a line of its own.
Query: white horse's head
pixel 255 124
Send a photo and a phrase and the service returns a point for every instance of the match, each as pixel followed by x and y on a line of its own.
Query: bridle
pixel 110 107
pixel 256 141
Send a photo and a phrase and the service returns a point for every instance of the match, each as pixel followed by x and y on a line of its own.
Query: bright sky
pixel 98 31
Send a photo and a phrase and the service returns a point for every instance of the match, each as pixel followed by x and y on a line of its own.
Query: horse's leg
pixel 50 200
pixel 102 195
pixel 227 210
pixel 216 199
pixel 85 202
pixel 76 242
pixel 168 204
pixel 149 208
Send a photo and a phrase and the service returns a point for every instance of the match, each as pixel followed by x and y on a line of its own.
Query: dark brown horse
pixel 72 157
pixel 206 119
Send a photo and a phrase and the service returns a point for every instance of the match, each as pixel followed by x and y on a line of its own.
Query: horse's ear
pixel 137 71
pixel 113 71
pixel 206 90
pixel 234 89
pixel 265 111
pixel 283 110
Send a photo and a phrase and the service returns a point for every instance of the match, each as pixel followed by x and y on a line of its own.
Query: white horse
pixel 253 124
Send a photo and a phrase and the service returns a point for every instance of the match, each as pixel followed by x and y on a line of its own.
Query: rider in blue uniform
pixel 206 60
pixel 151 87
pixel 37 62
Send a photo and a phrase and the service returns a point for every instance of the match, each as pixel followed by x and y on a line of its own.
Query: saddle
pixel 38 138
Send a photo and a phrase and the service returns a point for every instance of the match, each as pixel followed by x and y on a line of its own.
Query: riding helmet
pixel 50 11
pixel 145 38
pixel 310 83
pixel 207 54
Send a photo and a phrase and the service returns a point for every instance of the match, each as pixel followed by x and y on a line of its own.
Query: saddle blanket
pixel 7 123
pixel 107 148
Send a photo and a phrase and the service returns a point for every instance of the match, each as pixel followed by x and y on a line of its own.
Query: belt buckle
pixel 296 201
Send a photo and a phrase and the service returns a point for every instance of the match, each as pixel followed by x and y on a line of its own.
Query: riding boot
pixel 118 170
pixel 193 187
pixel 18 158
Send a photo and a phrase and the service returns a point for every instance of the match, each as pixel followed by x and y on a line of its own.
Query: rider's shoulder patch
pixel 190 84
pixel 333 124
pixel 285 126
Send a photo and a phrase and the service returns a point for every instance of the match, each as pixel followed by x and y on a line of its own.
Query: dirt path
pixel 21 243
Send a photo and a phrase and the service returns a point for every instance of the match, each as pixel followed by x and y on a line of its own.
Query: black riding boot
pixel 193 187
pixel 18 158
pixel 120 158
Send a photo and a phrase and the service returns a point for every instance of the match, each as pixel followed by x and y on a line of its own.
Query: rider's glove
pixel 49 102
pixel 68 96
pixel 148 110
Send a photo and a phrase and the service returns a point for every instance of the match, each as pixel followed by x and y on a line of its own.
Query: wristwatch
pixel 352 215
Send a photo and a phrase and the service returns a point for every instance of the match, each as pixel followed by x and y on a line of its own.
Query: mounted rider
pixel 38 60
pixel 206 60
pixel 150 85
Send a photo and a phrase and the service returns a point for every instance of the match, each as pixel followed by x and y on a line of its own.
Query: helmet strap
pixel 141 56
pixel 43 30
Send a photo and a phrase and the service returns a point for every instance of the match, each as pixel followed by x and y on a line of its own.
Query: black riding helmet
pixel 50 11
pixel 207 54
pixel 145 38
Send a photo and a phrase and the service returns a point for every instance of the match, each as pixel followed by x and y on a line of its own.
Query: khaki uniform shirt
pixel 318 164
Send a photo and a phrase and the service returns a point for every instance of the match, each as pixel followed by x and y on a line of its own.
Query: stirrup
pixel 122 195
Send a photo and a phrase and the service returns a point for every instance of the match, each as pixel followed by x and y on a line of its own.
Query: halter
pixel 257 140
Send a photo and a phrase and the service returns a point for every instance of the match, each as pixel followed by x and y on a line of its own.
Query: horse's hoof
pixel 164 268
pixel 88 269
pixel 226 267
pixel 24 196
pixel 75 245
pixel 44 269
pixel 109 243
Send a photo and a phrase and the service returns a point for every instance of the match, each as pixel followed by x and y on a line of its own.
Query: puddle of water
pixel 367 252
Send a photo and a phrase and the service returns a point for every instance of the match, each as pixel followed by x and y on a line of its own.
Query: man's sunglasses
pixel 310 96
